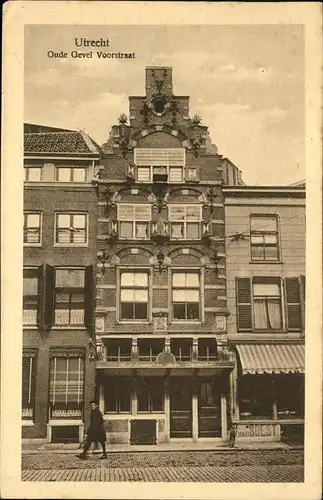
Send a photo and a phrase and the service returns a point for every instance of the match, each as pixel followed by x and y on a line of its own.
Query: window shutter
pixel 41 298
pixel 48 296
pixel 244 309
pixel 89 299
pixel 302 280
pixel 293 304
pixel 130 171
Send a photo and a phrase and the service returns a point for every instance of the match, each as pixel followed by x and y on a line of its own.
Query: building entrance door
pixel 181 407
pixel 209 408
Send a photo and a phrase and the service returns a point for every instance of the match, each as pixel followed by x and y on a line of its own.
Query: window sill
pixel 186 322
pixel 68 327
pixel 70 245
pixel 133 321
pixel 30 327
pixel 272 332
pixel 33 245
pixel 27 423
pixel 265 262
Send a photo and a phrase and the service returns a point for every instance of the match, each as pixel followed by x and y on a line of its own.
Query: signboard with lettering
pixel 255 430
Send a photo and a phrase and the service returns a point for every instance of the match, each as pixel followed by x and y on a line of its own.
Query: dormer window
pixel 160 164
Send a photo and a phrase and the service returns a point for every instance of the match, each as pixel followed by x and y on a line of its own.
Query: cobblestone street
pixel 246 466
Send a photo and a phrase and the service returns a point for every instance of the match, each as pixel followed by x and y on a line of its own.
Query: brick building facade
pixel 60 209
pixel 161 307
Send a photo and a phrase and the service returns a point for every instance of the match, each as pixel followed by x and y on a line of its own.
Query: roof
pixel 31 128
pixel 71 142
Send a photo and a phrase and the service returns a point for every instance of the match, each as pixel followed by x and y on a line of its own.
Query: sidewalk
pixel 36 448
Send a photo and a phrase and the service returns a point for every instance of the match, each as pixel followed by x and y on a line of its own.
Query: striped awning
pixel 272 358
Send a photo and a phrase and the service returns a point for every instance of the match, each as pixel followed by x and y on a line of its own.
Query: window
pixel 66 386
pixel 117 394
pixel 119 350
pixel 290 396
pixel 182 349
pixel 185 221
pixel 134 221
pixel 28 386
pixel 186 295
pixel 148 349
pixel 30 296
pixel 207 349
pixel 261 302
pixel 264 238
pixel 267 306
pixel 256 396
pixel 133 295
pixel 69 296
pixel 150 394
pixel 32 228
pixel 163 164
pixel 70 174
pixel 71 229
pixel 33 174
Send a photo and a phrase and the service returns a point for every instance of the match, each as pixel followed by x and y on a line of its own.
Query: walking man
pixel 95 432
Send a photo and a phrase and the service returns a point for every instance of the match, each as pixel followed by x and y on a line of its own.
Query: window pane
pixel 79 174
pixel 62 317
pixel 77 316
pixel 175 174
pixel 63 220
pixel 141 230
pixel 179 295
pixel 79 236
pixel 30 286
pixel 271 253
pixel 257 239
pixel 179 311
pixel 62 297
pixel 257 253
pixel 64 174
pixel 142 212
pixel 34 174
pixel 176 212
pixel 30 316
pixel 32 220
pixel 266 289
pixel 70 278
pixel 79 221
pixel 179 279
pixel 127 295
pixel 193 212
pixel 141 295
pixel 140 310
pixel 126 230
pixel 143 174
pixel 192 231
pixel 263 223
pixel 270 239
pixel 141 279
pixel 127 279
pixel 125 212
pixel 161 170
pixel 177 230
pixel 127 311
pixel 192 280
pixel 63 236
pixel 192 296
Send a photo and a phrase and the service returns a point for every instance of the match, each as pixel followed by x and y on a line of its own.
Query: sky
pixel 246 82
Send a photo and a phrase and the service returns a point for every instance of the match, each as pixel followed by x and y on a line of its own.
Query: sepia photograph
pixel 164 254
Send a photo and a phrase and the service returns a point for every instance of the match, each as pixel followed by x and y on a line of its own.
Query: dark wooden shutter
pixel 244 309
pixel 302 281
pixel 89 299
pixel 48 296
pixel 293 304
pixel 41 297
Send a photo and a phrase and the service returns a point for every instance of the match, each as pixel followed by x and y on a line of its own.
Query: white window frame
pixel 30 244
pixel 26 173
pixel 31 325
pixel 133 220
pixel 72 244
pixel 80 385
pixel 140 269
pixel 31 396
pixel 184 221
pixel 280 283
pixel 197 270
pixel 71 168
pixel 162 163
pixel 69 303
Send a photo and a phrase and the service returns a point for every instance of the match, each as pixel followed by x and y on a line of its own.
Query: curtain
pixel 260 312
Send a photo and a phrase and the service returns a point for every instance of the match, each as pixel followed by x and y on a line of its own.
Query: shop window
pixel 186 295
pixel 133 295
pixel 33 174
pixel 290 396
pixel 264 238
pixel 207 349
pixel 134 221
pixel 119 350
pixel 71 229
pixel 185 221
pixel 70 174
pixel 150 394
pixel 256 397
pixel 30 296
pixel 148 349
pixel 66 386
pixel 117 394
pixel 182 349
pixel 32 228
pixel 69 296
pixel 28 386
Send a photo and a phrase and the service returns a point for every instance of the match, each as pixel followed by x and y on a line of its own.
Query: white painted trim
pixel 27 423
pixel 71 245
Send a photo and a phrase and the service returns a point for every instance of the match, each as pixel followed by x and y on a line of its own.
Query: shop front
pixel 268 392
pixel 159 404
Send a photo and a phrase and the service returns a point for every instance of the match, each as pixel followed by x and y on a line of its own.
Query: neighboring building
pixel 265 258
pixel 161 307
pixel 60 220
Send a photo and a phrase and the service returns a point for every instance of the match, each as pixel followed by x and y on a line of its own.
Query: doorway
pixel 209 408
pixel 181 407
